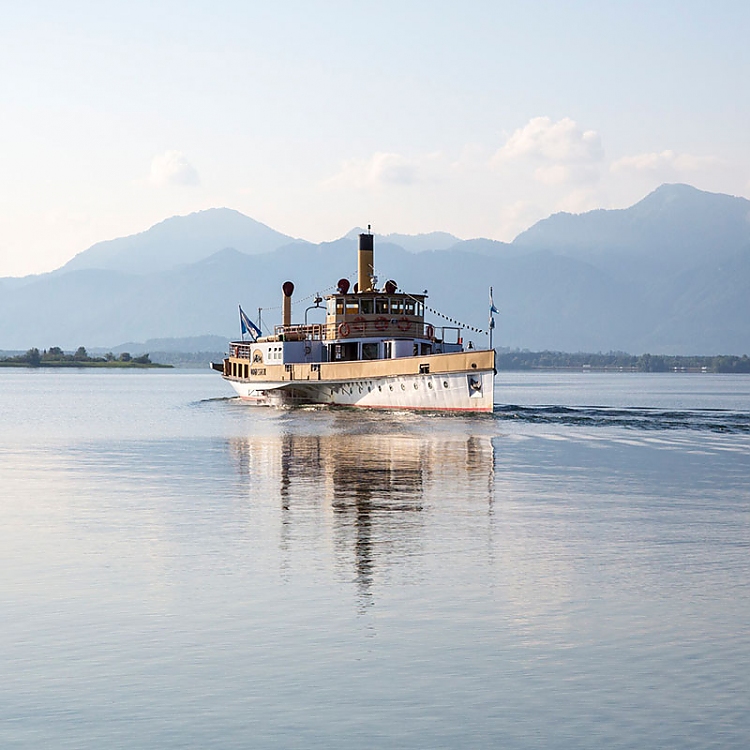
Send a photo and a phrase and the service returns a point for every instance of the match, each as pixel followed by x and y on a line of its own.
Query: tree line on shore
pixel 55 356
pixel 505 360
pixel 620 362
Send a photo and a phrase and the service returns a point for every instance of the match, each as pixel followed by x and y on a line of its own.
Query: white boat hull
pixel 455 391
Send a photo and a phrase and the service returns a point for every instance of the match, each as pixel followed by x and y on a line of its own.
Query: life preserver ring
pixel 404 324
pixel 358 325
pixel 344 330
pixel 430 331
pixel 381 323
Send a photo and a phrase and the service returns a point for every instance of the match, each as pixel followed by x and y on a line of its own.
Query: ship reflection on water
pixel 366 492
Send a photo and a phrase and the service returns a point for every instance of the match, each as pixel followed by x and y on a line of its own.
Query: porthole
pixel 445 384
pixel 416 386
pixel 380 388
pixel 391 387
pixel 429 385
pixel 403 387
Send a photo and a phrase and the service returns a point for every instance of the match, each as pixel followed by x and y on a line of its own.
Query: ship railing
pixel 383 327
pixel 240 350
pixel 362 328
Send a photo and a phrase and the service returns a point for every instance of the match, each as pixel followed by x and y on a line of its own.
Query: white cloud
pixel 561 142
pixel 384 169
pixel 172 168
pixel 566 174
pixel 665 164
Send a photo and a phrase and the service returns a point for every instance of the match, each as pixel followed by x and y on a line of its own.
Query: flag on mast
pixel 248 326
pixel 493 310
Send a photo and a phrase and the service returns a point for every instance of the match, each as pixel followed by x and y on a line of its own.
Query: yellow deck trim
pixel 470 361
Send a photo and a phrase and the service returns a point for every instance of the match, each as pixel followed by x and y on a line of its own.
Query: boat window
pixel 387 349
pixel 331 306
pixel 397 306
pixel 370 351
pixel 381 306
pixel 352 305
pixel 339 305
pixel 409 307
pixel 365 306
pixel 420 309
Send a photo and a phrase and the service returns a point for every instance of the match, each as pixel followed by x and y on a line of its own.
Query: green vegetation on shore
pixel 56 357
pixel 620 362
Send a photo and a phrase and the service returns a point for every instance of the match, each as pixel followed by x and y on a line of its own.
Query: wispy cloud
pixel 386 169
pixel 665 164
pixel 172 168
pixel 562 151
pixel 556 154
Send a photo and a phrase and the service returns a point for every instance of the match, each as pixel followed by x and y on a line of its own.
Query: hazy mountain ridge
pixel 180 240
pixel 668 214
pixel 413 243
pixel 581 287
pixel 675 224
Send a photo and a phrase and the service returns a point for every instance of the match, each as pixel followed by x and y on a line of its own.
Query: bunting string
pixel 455 322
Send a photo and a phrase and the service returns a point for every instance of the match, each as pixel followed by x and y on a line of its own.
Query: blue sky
pixel 475 118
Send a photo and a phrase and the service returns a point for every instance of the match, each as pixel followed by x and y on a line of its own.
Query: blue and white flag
pixel 248 326
pixel 493 310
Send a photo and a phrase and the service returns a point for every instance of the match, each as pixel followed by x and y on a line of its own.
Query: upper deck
pixel 365 315
pixel 376 314
pixel 364 324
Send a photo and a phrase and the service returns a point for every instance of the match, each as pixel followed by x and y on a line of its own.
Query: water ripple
pixel 641 418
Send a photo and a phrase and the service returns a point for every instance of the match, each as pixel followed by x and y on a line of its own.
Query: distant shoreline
pixel 506 361
pixel 87 365
pixel 55 357
pixel 616 362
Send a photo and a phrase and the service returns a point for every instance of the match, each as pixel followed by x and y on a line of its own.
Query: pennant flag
pixel 491 321
pixel 493 309
pixel 248 326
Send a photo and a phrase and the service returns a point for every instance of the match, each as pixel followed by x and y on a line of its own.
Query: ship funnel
pixel 286 303
pixel 365 270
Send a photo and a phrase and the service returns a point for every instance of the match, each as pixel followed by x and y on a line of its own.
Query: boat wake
pixel 712 420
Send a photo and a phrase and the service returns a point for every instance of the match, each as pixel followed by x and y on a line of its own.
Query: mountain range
pixel 667 275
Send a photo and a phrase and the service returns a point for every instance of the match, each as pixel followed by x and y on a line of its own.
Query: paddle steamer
pixel 374 350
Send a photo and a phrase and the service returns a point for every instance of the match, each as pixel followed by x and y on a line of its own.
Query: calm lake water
pixel 178 570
